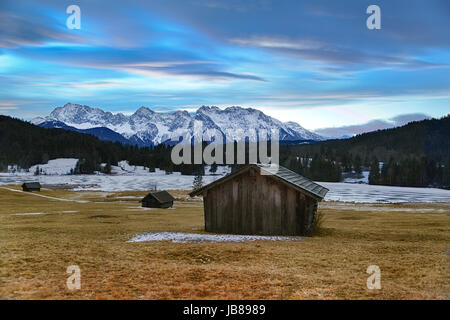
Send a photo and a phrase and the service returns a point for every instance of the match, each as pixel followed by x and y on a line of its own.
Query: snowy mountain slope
pixel 147 127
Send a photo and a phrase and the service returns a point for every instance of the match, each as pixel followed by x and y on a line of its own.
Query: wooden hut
pixel 256 200
pixel 31 186
pixel 159 199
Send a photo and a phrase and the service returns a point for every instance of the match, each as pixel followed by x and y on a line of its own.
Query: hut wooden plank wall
pixel 247 202
pixel 31 186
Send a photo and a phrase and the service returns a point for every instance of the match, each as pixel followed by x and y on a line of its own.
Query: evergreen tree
pixel 357 164
pixel 446 174
pixel 374 173
pixel 346 162
pixel 169 168
pixel 107 168
pixel 213 168
pixel 198 182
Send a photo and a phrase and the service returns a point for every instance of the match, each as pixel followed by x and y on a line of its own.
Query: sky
pixel 314 62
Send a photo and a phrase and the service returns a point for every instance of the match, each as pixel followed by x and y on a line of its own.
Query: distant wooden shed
pixel 31 186
pixel 257 200
pixel 158 199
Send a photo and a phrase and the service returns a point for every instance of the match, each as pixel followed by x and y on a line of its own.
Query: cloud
pixel 22 28
pixel 151 61
pixel 195 69
pixel 403 119
pixel 234 5
pixel 100 84
pixel 148 46
pixel 342 59
pixel 373 125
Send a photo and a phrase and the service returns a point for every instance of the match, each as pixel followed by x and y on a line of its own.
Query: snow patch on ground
pixel 128 197
pixel 198 237
pixel 28 214
pixel 56 166
pixel 60 166
pixel 140 208
pixel 124 168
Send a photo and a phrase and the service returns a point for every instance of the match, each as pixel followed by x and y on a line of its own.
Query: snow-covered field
pixel 103 182
pixel 126 177
pixel 53 167
pixel 352 192
pixel 198 237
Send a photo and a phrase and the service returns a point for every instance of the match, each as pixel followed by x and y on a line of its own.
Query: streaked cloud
pixel 373 125
pixel 7 107
pixel 342 59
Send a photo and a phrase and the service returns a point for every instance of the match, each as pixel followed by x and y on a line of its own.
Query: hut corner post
pixel 205 199
pixel 311 217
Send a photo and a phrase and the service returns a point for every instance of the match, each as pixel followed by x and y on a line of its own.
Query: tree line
pixel 388 154
pixel 416 155
pixel 410 172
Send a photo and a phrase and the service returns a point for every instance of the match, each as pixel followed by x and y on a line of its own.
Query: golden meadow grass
pixel 409 242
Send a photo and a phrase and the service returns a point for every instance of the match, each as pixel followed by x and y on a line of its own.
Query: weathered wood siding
pixel 152 203
pixel 254 204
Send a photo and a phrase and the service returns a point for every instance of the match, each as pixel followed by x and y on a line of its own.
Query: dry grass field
pixel 409 242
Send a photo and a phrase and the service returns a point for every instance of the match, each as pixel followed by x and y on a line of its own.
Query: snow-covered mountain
pixel 146 127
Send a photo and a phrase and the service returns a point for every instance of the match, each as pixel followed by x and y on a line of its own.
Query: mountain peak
pixel 237 108
pixel 208 109
pixel 144 111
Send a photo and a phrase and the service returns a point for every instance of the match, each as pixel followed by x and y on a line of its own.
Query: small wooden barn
pixel 255 200
pixel 31 186
pixel 158 199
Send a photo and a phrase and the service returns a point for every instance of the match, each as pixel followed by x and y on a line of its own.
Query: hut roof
pixel 160 196
pixel 31 185
pixel 301 182
pixel 283 174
